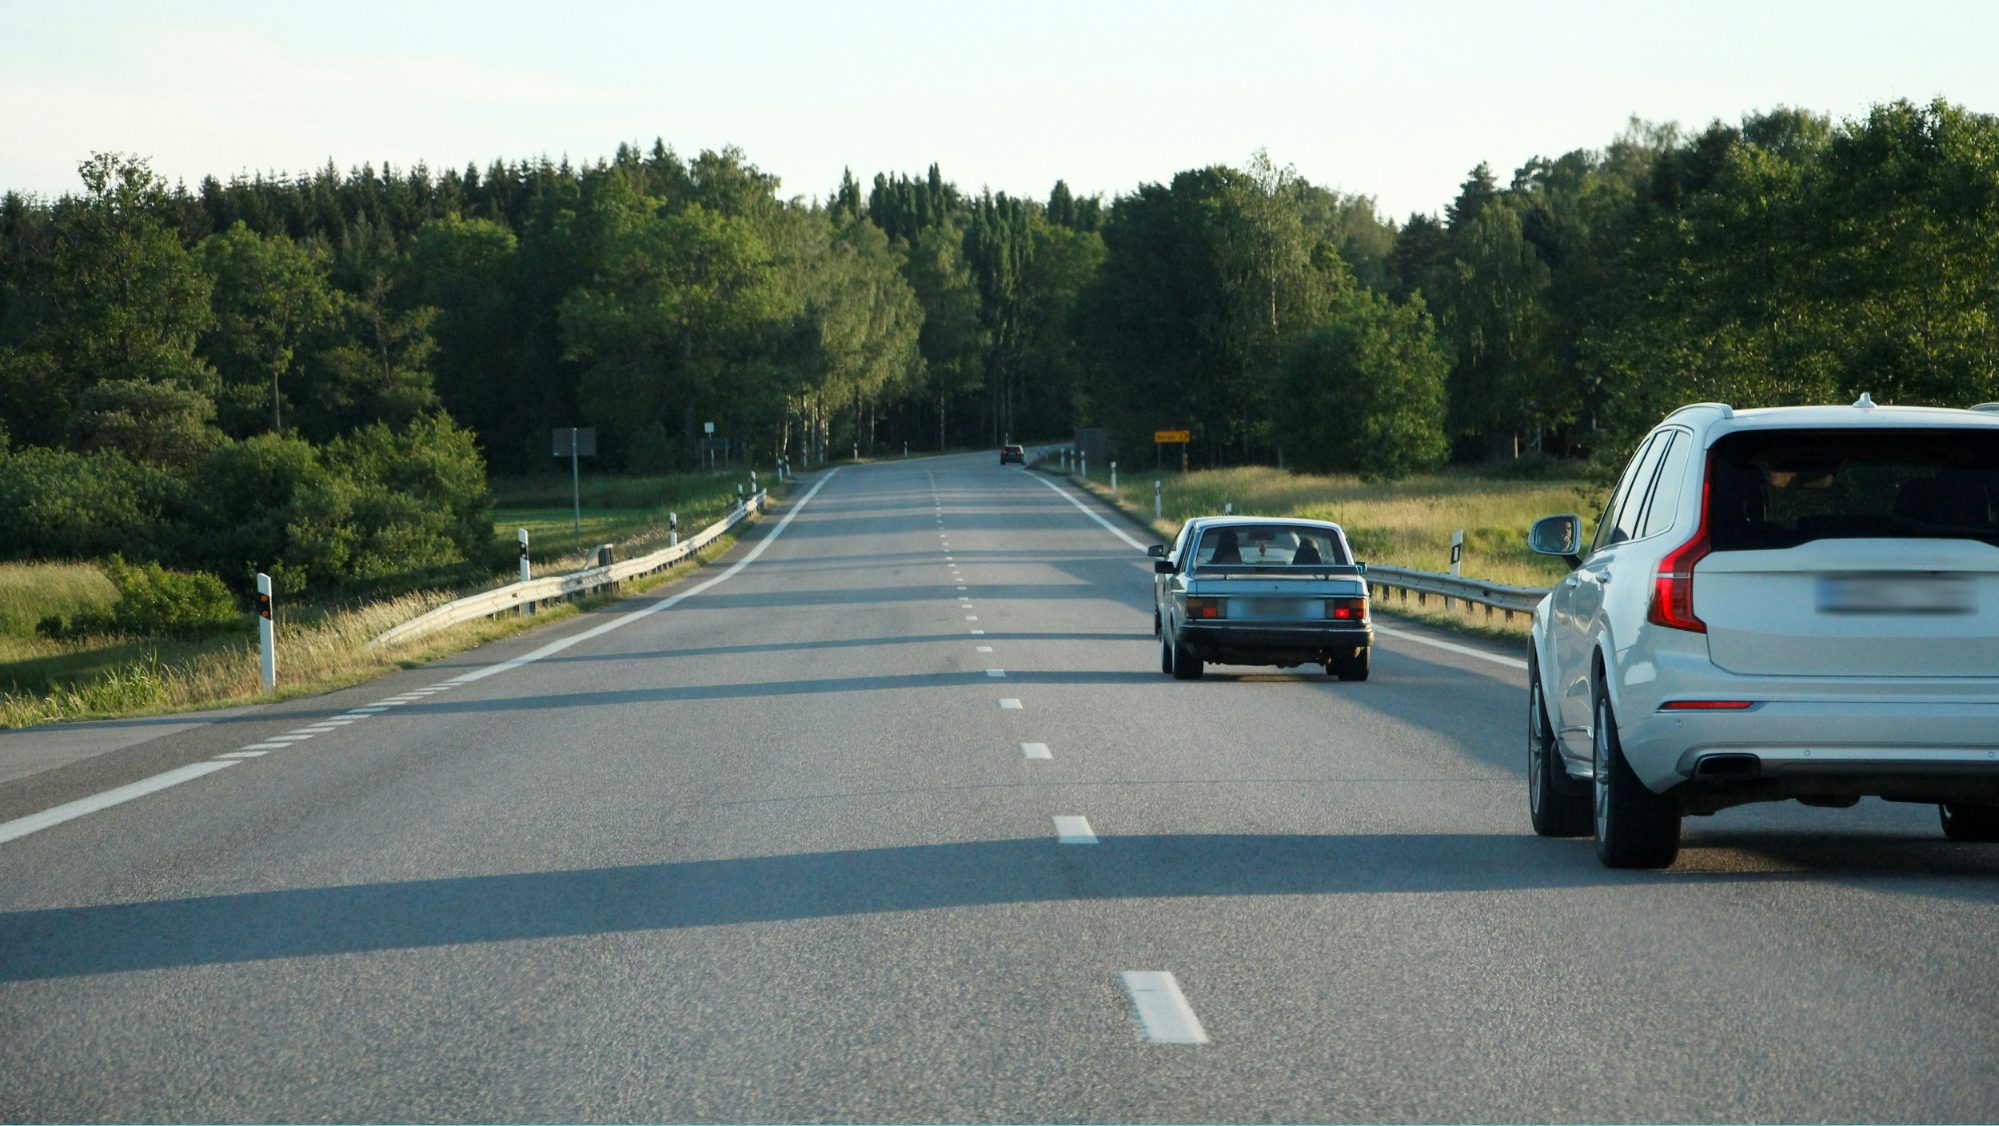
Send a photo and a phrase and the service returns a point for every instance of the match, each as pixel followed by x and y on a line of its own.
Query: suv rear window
pixel 1781 488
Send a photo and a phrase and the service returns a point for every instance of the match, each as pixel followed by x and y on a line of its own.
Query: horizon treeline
pixel 275 350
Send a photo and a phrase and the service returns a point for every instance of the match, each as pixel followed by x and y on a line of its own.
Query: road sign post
pixel 1172 438
pixel 576 443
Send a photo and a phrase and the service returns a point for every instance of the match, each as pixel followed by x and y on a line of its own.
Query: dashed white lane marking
pixel 985 649
pixel 265 746
pixel 1466 650
pixel 961 588
pixel 1164 1016
pixel 978 633
pixel 1080 507
pixel 1035 750
pixel 1073 830
pixel 971 617
pixel 996 674
pixel 1010 704
pixel 622 620
pixel 35 822
pixel 243 754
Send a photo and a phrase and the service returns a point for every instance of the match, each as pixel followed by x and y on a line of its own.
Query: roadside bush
pixel 154 602
pixel 67 505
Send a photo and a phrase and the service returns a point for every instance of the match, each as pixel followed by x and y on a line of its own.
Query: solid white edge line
pixel 264 746
pixel 35 822
pixel 554 647
pixel 1164 1016
pixel 1035 750
pixel 1466 650
pixel 1073 831
pixel 1085 510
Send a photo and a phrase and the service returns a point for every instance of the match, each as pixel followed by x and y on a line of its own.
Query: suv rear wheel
pixel 1635 828
pixel 1963 821
pixel 1556 805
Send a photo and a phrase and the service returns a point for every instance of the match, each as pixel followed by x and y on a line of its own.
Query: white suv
pixel 1796 602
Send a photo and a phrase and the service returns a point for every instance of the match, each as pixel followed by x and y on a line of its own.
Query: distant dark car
pixel 1013 455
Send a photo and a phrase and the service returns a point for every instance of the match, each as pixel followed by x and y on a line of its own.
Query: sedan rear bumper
pixel 1274 643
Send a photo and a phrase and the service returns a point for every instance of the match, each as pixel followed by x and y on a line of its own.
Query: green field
pixel 628 511
pixel 320 646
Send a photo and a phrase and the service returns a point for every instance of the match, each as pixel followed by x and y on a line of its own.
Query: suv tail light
pixel 1673 585
pixel 1346 609
pixel 1204 607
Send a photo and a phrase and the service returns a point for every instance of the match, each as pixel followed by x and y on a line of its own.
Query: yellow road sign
pixel 1166 436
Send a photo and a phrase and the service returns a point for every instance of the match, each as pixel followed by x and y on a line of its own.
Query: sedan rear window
pixel 1781 488
pixel 1272 545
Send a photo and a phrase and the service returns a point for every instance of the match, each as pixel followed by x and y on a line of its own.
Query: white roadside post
pixel 753 483
pixel 1457 556
pixel 527 608
pixel 1155 500
pixel 1083 464
pixel 1114 482
pixel 267 642
pixel 673 529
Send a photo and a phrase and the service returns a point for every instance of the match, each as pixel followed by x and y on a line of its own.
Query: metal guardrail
pixel 556 587
pixel 1455 588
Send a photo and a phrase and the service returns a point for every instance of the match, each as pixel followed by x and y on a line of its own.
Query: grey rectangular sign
pixel 586 441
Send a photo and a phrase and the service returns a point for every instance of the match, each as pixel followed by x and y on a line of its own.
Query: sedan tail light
pixel 1346 609
pixel 1205 607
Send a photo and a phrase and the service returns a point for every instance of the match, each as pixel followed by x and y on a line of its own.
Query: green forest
pixel 314 375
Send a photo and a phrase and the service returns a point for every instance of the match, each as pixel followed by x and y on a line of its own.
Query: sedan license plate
pixel 1281 609
pixel 1895 594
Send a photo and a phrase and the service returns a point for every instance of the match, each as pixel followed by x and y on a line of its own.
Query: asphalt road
pixel 778 851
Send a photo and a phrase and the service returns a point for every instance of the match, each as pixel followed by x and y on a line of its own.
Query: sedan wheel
pixel 1963 821
pixel 1165 656
pixel 1635 828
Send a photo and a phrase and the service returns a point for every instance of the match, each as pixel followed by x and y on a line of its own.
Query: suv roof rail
pixel 1726 410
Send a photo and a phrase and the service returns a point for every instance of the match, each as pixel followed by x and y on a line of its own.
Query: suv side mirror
pixel 1558 535
pixel 1157 551
pixel 1163 567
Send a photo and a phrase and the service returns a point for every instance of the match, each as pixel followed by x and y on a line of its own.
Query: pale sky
pixel 1394 100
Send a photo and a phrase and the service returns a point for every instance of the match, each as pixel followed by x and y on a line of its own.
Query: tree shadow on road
pixel 417 914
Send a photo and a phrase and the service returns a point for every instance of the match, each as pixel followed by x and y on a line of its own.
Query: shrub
pixel 153 602
pixel 67 505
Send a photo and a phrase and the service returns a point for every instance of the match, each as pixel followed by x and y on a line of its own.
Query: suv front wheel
pixel 1635 828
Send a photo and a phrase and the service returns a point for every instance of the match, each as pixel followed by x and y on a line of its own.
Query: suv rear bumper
pixel 1820 746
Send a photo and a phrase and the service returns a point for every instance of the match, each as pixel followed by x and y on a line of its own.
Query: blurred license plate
pixel 1895 594
pixel 1282 609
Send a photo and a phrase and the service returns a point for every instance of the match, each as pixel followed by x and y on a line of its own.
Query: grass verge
pixel 320 648
pixel 1406 523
